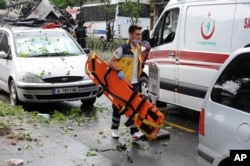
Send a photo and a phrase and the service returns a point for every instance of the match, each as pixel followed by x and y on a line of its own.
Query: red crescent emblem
pixel 206 37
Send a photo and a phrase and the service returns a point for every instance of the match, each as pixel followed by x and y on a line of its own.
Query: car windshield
pixel 45 43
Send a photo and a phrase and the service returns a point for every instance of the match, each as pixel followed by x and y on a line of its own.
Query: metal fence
pixel 102 45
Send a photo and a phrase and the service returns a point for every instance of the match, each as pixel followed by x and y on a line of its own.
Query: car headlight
pixel 29 77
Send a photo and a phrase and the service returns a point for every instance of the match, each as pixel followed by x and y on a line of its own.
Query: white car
pixel 225 117
pixel 43 65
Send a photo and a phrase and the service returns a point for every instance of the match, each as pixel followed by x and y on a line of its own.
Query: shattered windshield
pixel 45 43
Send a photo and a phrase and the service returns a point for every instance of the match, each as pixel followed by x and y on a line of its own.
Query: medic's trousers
pixel 116 116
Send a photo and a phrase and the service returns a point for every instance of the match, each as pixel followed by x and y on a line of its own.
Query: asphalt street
pixel 88 142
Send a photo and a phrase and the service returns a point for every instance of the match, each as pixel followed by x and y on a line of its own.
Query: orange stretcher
pixel 136 107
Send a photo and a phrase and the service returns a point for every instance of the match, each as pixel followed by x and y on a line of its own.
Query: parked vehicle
pixel 97 22
pixel 190 41
pixel 225 116
pixel 41 9
pixel 43 65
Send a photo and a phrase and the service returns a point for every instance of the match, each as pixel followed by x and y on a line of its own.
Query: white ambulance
pixel 190 41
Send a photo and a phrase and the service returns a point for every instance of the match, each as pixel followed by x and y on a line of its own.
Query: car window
pixel 166 28
pixel 233 86
pixel 43 43
pixel 4 46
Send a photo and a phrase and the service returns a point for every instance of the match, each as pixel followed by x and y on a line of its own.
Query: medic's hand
pixel 120 74
pixel 146 44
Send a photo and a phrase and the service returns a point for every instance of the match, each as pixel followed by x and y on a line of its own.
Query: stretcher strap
pixel 93 61
pixel 144 99
pixel 146 130
pixel 147 122
pixel 104 86
pixel 106 76
pixel 131 118
pixel 93 72
pixel 152 114
pixel 123 110
pixel 147 126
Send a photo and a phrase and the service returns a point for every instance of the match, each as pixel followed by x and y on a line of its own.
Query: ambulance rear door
pixel 241 32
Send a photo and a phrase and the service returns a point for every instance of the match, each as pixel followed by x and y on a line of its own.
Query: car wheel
pixel 144 91
pixel 144 85
pixel 88 102
pixel 13 94
pixel 161 104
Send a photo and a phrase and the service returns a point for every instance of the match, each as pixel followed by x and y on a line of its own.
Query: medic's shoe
pixel 136 136
pixel 114 133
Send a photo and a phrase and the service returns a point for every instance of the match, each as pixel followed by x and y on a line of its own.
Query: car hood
pixel 46 67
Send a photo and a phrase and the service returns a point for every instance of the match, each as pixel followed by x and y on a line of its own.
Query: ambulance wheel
pixel 144 85
pixel 88 102
pixel 160 104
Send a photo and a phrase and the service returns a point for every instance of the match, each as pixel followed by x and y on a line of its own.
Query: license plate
pixel 65 90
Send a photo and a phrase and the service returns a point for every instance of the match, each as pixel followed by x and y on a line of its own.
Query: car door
pixel 4 62
pixel 229 110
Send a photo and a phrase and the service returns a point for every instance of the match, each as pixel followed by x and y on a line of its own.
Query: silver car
pixel 225 117
pixel 43 65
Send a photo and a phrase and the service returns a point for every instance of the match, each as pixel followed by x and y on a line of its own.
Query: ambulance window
pixel 233 86
pixel 166 27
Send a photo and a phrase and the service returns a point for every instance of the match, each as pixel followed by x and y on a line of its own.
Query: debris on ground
pixel 4 130
pixel 129 159
pixel 15 162
pixel 121 147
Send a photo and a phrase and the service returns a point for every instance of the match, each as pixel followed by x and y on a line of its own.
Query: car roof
pixel 29 25
pixel 18 29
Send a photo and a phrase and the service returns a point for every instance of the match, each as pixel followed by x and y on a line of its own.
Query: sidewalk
pixel 47 145
pixel 83 141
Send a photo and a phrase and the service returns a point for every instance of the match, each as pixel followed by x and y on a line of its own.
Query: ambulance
pixel 190 41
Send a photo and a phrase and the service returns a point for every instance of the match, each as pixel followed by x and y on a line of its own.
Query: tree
pixel 2 4
pixel 133 9
pixel 109 9
pixel 65 3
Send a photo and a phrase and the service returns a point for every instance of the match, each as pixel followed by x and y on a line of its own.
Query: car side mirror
pixel 145 35
pixel 86 50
